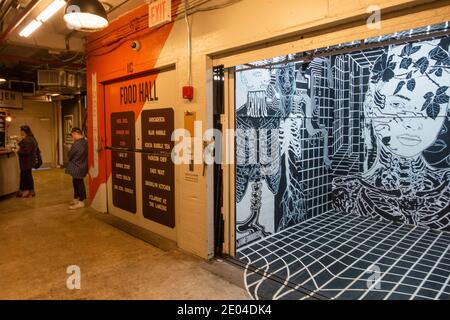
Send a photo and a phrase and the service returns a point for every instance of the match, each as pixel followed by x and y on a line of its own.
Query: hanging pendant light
pixel 85 15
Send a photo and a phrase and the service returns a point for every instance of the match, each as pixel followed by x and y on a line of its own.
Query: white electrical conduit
pixel 189 30
pixel 188 26
pixel 190 8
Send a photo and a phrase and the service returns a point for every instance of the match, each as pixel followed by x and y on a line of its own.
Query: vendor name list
pixel 123 162
pixel 158 172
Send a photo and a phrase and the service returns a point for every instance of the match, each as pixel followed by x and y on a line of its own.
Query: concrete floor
pixel 40 238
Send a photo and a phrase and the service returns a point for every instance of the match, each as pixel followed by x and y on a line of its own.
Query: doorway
pixel 139 121
pixel 326 171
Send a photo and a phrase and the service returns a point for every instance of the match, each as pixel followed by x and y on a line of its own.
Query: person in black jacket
pixel 78 167
pixel 27 152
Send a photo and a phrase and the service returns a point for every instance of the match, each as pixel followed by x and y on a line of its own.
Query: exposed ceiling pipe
pixel 56 63
pixel 18 20
pixel 142 24
pixel 117 6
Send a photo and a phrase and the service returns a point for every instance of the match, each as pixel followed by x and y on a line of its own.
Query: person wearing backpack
pixel 26 150
pixel 78 167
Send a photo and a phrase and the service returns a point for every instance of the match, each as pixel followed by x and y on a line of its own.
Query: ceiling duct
pixel 59 78
pixel 51 78
pixel 62 82
pixel 25 87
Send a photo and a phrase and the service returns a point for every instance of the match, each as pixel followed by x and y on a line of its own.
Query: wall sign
pixel 159 13
pixel 68 125
pixel 158 170
pixel 189 125
pixel 93 171
pixel 123 161
pixel 142 92
pixel 10 99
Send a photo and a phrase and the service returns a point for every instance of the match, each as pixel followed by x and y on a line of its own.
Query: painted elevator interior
pixel 359 135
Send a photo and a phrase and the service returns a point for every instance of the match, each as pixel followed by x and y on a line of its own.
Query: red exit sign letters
pixel 159 12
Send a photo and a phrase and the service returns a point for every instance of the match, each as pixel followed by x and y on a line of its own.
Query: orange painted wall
pixel 108 54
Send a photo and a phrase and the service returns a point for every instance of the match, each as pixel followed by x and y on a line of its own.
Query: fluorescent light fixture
pixel 30 28
pixel 2 80
pixel 46 14
pixel 50 10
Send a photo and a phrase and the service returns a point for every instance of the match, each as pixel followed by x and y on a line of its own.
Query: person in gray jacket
pixel 78 167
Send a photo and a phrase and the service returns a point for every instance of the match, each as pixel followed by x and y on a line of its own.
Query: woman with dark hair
pixel 27 151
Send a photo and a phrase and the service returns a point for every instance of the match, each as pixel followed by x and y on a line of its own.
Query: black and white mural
pixel 364 133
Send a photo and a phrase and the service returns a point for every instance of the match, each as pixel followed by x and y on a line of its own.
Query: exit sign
pixel 159 12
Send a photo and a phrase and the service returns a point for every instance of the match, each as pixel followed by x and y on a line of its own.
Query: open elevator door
pixel 139 119
pixel 332 225
pixel 223 116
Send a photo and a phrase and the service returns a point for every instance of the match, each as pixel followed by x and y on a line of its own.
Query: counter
pixel 9 172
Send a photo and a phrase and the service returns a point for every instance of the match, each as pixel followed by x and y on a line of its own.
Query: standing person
pixel 78 167
pixel 27 151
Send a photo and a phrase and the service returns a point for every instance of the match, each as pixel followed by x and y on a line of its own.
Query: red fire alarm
pixel 188 92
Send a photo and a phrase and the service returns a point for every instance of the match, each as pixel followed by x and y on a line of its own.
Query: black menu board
pixel 158 170
pixel 123 161
pixel 2 131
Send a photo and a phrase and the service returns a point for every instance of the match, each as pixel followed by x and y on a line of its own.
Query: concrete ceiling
pixel 53 33
pixel 53 45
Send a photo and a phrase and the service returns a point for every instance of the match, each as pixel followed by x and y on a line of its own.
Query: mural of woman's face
pixel 410 99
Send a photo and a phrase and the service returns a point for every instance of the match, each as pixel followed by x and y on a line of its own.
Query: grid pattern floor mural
pixel 339 256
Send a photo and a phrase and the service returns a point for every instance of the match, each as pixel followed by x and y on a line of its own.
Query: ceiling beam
pixel 55 63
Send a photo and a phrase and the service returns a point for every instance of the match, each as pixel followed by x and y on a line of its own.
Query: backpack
pixel 37 161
